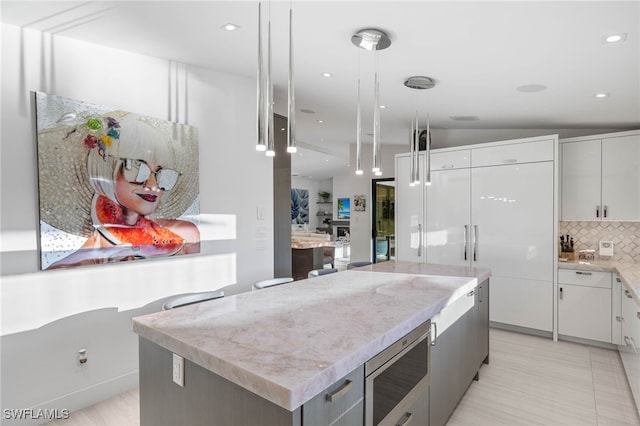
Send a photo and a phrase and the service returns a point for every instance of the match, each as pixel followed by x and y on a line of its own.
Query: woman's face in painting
pixel 135 194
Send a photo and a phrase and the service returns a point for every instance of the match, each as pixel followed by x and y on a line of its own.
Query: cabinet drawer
pixel 526 152
pixel 336 400
pixel 585 278
pixel 450 160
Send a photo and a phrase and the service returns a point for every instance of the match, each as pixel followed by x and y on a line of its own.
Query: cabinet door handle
pixel 597 211
pixel 604 211
pixel 419 239
pixel 560 293
pixel 628 294
pixel 405 420
pixel 340 392
pixel 583 273
pixel 471 293
pixel 466 231
pixel 435 333
pixel 618 318
pixel 475 243
pixel 480 294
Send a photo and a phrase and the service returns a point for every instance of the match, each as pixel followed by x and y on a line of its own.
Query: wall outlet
pixel 178 370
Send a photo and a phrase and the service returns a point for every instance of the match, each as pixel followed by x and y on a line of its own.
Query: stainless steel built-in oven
pixel 397 377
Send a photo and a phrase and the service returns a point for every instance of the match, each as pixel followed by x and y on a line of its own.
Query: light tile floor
pixel 530 381
pixel 535 381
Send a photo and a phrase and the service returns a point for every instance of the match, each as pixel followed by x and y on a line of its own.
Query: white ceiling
pixel 478 52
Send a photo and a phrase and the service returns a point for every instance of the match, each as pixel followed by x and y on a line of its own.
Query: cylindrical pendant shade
pixel 261 143
pixel 270 142
pixel 376 125
pixel 359 135
pixel 291 134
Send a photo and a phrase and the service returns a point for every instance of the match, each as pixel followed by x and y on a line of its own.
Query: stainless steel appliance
pixel 396 378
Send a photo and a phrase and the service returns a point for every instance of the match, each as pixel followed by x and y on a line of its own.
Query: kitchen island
pixel 285 345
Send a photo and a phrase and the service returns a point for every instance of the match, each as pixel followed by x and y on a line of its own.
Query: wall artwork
pixel 344 209
pixel 359 203
pixel 113 185
pixel 299 206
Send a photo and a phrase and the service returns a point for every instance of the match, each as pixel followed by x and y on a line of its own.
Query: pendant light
pixel 359 128
pixel 419 83
pixel 262 144
pixel 291 134
pixel 265 123
pixel 371 39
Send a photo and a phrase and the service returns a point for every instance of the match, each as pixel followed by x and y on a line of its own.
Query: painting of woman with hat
pixel 114 186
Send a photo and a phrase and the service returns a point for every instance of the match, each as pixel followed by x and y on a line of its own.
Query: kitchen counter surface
pixel 629 272
pixel 288 343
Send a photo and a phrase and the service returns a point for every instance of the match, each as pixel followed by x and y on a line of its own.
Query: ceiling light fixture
pixel 601 95
pixel 419 83
pixel 327 74
pixel 265 91
pixel 230 27
pixel 615 38
pixel 371 39
pixel 291 135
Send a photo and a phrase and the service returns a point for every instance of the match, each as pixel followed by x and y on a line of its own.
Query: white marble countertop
pixel 629 272
pixel 288 343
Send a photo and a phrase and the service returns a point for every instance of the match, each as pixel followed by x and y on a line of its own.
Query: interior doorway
pixel 383 225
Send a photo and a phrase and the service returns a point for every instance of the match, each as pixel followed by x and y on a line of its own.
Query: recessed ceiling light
pixel 327 74
pixel 383 107
pixel 614 38
pixel 320 121
pixel 230 26
pixel 601 95
pixel 531 88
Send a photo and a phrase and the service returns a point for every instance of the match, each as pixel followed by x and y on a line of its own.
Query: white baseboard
pixel 76 400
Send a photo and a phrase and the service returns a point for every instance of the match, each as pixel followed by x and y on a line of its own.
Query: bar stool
pixel 358 264
pixel 272 282
pixel 318 272
pixel 190 299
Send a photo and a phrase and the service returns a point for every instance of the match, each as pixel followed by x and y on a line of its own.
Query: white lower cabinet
pixel 584 305
pixel 629 349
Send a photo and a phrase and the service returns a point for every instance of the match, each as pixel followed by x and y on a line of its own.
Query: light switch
pixel 178 370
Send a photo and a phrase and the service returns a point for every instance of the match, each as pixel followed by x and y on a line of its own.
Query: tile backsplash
pixel 587 235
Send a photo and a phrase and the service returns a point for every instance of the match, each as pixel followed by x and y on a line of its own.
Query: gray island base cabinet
pixel 399 297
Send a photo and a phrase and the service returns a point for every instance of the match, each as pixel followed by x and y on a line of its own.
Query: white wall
pixel 47 316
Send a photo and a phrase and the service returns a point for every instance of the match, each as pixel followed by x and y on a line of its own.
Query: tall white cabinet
pixel 494 206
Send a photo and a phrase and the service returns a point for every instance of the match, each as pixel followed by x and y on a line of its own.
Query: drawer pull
pixel 628 294
pixel 618 318
pixel 510 160
pixel 448 166
pixel 471 293
pixel 340 392
pixel 583 273
pixel 405 420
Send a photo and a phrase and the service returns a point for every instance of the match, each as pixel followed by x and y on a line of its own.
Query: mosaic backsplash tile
pixel 587 235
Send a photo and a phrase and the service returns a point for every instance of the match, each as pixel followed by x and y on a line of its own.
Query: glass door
pixel 383 225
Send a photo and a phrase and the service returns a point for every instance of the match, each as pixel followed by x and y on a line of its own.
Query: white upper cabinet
pixel 601 177
pixel 621 178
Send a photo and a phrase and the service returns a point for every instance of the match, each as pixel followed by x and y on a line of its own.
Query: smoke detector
pixel 420 82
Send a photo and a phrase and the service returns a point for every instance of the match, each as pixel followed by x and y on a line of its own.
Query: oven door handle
pixel 435 333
